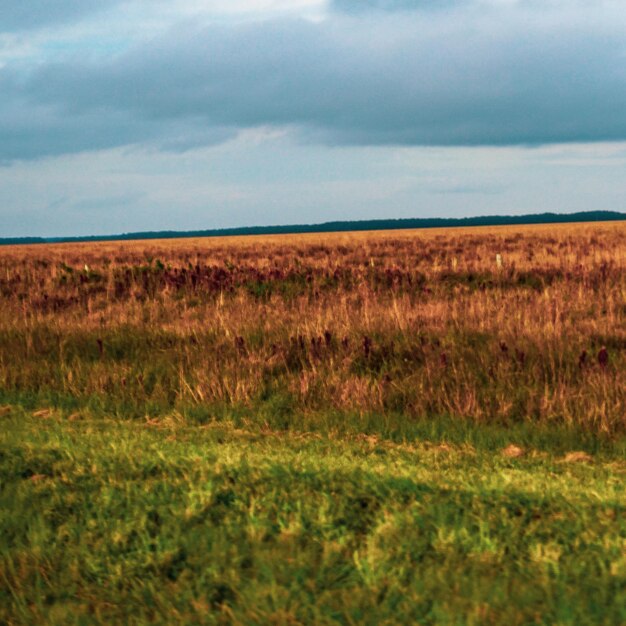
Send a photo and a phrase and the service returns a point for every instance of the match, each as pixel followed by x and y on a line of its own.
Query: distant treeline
pixel 341 226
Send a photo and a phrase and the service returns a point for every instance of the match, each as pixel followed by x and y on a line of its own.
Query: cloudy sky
pixel 127 115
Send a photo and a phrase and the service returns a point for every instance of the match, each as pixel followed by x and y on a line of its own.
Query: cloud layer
pixel 19 15
pixel 501 75
pixel 361 6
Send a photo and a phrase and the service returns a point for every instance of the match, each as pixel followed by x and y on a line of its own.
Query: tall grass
pixel 486 325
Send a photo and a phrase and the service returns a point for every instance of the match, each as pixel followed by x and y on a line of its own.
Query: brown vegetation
pixel 488 324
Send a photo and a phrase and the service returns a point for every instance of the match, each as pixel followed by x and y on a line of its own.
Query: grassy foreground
pixel 103 521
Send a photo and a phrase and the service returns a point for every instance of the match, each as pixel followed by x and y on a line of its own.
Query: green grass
pixel 105 521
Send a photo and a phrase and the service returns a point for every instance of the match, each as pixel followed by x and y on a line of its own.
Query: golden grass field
pixel 484 324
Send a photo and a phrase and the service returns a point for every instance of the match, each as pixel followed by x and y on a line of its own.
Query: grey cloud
pixel 503 78
pixel 101 202
pixel 30 131
pixel 361 6
pixel 467 189
pixel 365 6
pixel 17 15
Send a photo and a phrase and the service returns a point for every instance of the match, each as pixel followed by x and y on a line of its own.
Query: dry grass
pixel 413 323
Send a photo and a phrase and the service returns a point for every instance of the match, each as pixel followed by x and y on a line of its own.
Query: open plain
pixel 357 428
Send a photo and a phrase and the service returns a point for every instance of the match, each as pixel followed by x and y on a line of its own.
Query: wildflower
pixel 603 357
pixel 240 344
pixel 367 346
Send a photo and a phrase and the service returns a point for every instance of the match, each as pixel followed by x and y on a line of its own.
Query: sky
pixel 132 115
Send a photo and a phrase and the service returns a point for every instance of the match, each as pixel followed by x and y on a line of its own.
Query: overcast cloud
pixel 172 77
pixel 502 76
pixel 361 6
pixel 18 15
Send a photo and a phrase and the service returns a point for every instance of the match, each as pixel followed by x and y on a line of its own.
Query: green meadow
pixel 229 523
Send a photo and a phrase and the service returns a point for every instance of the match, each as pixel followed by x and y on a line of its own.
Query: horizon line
pixel 407 223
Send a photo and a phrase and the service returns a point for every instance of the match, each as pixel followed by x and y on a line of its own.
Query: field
pixel 360 428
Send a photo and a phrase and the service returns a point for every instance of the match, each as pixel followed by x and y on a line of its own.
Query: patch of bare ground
pixel 513 452
pixel 577 457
